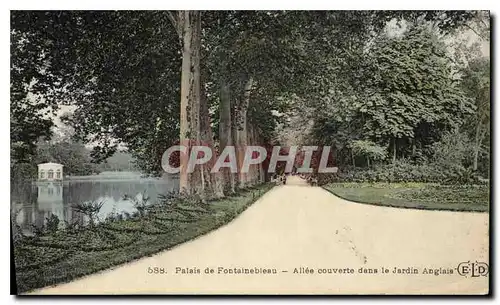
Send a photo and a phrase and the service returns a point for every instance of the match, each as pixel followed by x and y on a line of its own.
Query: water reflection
pixel 35 203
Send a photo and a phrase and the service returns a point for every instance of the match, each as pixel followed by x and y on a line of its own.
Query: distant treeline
pixel 76 160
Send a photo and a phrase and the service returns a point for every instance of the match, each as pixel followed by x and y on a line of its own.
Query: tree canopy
pixel 126 71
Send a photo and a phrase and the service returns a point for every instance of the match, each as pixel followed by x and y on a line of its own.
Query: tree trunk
pixel 249 141
pixel 189 29
pixel 262 174
pixel 414 147
pixel 242 130
pixel 394 151
pixel 477 146
pixel 197 178
pixel 253 170
pixel 185 24
pixel 225 132
pixel 214 181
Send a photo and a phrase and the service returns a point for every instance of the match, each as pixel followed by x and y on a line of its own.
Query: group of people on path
pixel 282 179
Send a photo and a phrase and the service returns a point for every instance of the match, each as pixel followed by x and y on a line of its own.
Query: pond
pixel 33 203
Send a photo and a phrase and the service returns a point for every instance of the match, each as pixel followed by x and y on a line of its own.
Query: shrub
pixel 369 150
pixel 403 171
pixel 453 151
pixel 141 205
pixel 17 232
pixel 52 223
pixel 90 209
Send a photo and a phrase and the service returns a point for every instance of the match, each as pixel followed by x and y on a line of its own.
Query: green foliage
pixel 369 149
pixel 42 59
pixel 401 94
pixel 119 161
pixel 20 172
pixel 140 204
pixel 410 82
pixel 403 172
pixel 39 261
pixel 476 84
pixel 74 156
pixel 441 194
pixel 121 70
pixel 453 151
pixel 397 172
pixel 90 209
pixel 32 257
pixel 17 232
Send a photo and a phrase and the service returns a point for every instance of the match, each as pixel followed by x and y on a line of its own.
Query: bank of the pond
pixel 65 255
pixel 428 196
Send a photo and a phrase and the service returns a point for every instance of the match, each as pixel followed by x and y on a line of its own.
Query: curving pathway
pixel 295 226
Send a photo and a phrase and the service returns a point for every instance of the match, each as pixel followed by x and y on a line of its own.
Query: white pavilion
pixel 50 172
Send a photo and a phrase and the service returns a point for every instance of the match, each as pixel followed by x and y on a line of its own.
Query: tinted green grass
pixel 471 198
pixel 65 255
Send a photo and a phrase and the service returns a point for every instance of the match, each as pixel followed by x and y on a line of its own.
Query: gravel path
pixel 296 227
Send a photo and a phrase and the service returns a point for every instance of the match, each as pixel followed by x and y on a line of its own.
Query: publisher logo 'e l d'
pixel 473 269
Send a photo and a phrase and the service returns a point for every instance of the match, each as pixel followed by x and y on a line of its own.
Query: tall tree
pixel 476 84
pixel 193 108
pixel 126 70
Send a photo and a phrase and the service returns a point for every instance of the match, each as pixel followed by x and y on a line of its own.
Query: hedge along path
pixel 296 225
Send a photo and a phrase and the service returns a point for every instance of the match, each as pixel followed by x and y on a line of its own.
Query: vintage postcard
pixel 250 152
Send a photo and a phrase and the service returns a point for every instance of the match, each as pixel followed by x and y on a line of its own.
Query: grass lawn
pixel 66 255
pixel 416 195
